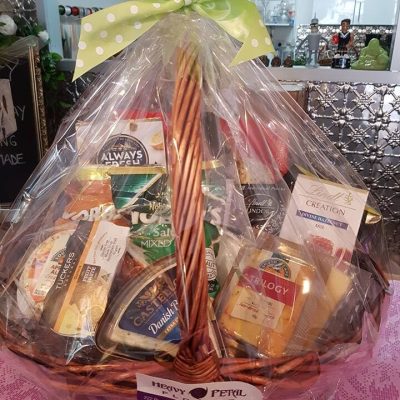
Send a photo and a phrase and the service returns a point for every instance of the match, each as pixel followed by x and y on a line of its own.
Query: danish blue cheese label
pixel 143 321
pixel 154 311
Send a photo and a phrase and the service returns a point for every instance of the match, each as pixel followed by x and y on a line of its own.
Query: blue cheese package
pixel 143 321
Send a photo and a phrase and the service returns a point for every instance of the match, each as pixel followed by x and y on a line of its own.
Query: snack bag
pixel 190 231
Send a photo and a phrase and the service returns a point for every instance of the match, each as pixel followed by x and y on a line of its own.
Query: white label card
pixel 326 210
pixel 150 388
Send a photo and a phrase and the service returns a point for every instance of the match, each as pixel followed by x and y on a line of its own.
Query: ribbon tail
pixel 253 48
pixel 84 64
pixel 241 20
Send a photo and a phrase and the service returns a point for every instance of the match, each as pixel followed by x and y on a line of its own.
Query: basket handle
pixel 196 360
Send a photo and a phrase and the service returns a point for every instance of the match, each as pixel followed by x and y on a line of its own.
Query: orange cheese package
pixel 87 198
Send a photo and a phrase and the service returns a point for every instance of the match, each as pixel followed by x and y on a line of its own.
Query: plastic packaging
pixel 190 222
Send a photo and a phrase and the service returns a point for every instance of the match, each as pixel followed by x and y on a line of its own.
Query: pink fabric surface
pixel 378 379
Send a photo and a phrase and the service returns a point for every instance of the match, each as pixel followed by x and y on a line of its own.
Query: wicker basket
pixel 196 361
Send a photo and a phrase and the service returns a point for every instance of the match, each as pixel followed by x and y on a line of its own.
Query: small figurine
pixel 288 63
pixel 344 39
pixel 313 39
pixel 345 42
pixel 373 57
pixel 265 60
pixel 276 62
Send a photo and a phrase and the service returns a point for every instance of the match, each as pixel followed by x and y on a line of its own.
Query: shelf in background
pixel 68 65
pixel 327 74
pixel 282 25
pixel 321 74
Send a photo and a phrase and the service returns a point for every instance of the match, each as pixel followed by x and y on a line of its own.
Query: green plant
pixel 52 78
pixel 25 29
pixel 300 61
pixel 50 74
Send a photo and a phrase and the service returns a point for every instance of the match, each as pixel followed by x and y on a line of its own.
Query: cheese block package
pixel 140 325
pixel 190 224
pixel 268 301
pixel 280 300
pixel 133 142
pixel 40 271
pixel 77 299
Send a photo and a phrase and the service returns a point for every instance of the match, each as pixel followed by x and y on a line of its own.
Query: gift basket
pixel 191 233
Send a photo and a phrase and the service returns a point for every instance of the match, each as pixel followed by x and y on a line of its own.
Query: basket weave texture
pixel 196 361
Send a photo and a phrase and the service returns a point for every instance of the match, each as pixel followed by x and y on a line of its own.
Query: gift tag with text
pixel 150 388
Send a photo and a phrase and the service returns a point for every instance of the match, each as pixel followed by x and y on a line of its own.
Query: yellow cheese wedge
pixel 71 321
pixel 326 302
pixel 157 141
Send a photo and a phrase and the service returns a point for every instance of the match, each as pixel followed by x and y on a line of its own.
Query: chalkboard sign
pixel 23 137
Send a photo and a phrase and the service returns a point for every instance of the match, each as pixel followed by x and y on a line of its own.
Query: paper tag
pixel 150 388
pixel 325 213
pixel 257 309
pixel 8 122
pixel 51 266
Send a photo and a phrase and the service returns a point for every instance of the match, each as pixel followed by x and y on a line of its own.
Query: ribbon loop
pixel 111 30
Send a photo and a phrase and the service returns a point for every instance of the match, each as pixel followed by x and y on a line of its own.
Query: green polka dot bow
pixel 109 31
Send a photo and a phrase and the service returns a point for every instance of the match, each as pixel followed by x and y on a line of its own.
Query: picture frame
pixel 22 150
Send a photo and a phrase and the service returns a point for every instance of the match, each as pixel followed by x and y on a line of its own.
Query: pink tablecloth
pixel 377 380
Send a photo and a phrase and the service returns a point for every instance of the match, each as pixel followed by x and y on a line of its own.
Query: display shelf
pixel 327 74
pixel 49 17
pixel 68 65
pixel 281 25
pixel 277 12
pixel 298 74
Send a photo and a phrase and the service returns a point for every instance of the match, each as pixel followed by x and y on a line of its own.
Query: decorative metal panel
pixel 25 10
pixel 363 121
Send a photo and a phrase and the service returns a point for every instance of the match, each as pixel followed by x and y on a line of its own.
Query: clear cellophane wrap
pixel 191 222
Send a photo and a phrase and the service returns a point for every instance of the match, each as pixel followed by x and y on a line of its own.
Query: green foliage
pixel 50 75
pixel 300 61
pixel 52 78
pixel 25 29
pixel 7 41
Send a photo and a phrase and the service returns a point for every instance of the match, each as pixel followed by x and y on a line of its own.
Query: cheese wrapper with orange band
pixel 40 270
